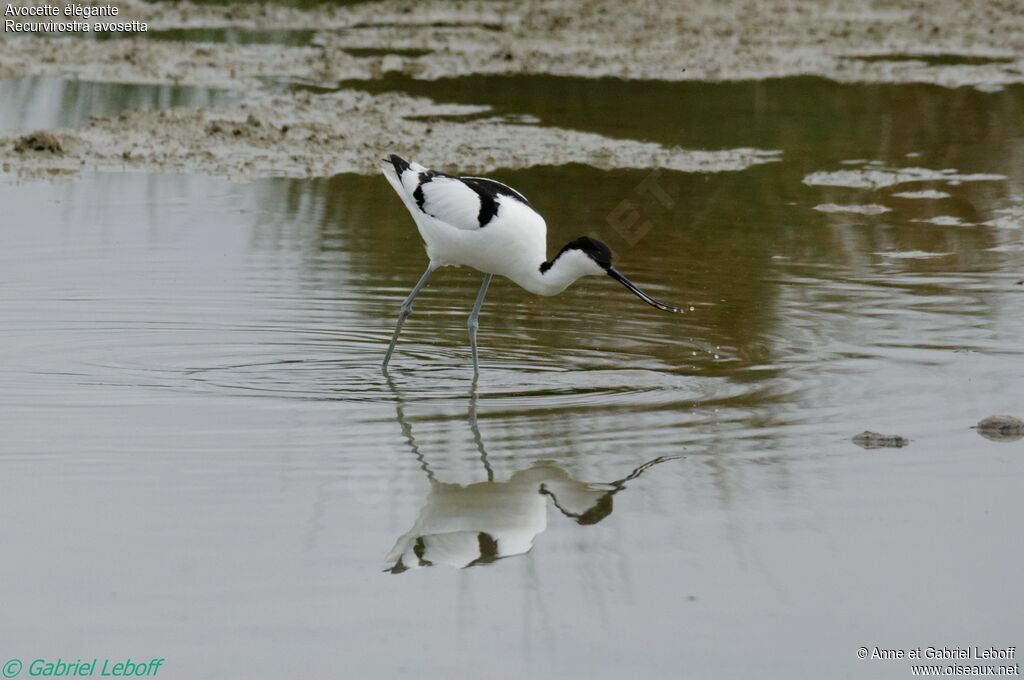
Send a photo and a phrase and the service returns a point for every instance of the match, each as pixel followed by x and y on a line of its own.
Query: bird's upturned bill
pixel 612 272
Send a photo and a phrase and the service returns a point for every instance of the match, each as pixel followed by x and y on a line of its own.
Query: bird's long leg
pixel 475 427
pixel 404 313
pixel 474 323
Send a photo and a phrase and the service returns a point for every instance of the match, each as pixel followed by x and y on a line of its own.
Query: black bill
pixel 612 272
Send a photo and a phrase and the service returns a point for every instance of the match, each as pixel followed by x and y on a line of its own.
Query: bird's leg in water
pixel 474 322
pixel 404 313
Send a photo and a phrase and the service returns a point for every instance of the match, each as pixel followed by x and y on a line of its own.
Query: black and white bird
pixel 484 224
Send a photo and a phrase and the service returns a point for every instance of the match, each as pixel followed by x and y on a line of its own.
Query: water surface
pixel 202 461
pixel 47 102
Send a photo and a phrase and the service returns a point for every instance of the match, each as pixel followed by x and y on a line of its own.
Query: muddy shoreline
pixel 306 135
pixel 942 42
pixel 946 43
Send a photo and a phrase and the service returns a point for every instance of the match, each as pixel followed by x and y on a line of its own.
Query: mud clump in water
pixel 41 141
pixel 301 134
pixel 874 440
pixel 1001 428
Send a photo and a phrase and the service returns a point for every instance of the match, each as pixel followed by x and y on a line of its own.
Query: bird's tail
pixel 395 169
pixel 393 166
pixel 398 163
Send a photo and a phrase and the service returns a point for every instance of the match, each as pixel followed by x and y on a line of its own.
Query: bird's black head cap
pixel 594 249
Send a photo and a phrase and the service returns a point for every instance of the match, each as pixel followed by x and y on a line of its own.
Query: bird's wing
pixel 462 202
pixel 452 201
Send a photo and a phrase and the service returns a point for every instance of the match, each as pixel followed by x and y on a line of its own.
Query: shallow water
pixel 234 36
pixel 46 102
pixel 202 461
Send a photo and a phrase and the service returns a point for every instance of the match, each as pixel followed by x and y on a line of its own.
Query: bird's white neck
pixel 569 266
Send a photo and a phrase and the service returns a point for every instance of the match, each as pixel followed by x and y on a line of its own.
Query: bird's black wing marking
pixel 418 194
pixel 489 190
pixel 488 199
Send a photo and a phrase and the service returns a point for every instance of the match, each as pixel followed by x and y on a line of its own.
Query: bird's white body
pixel 513 243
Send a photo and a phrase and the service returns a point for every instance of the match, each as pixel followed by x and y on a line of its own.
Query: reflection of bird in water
pixel 462 526
pixel 480 223
pixel 467 525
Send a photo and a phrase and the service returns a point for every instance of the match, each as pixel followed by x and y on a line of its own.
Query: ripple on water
pixel 330 365
pixel 318 349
